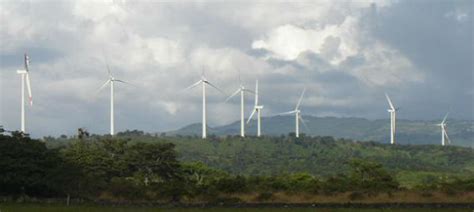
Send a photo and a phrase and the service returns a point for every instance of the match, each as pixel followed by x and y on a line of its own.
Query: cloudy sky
pixel 346 53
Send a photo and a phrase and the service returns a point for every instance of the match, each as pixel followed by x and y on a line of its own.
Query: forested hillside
pixel 141 168
pixel 320 156
pixel 408 132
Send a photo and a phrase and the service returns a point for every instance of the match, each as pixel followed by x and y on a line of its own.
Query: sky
pixel 347 54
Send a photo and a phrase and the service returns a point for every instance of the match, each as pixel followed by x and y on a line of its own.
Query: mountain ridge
pixel 461 132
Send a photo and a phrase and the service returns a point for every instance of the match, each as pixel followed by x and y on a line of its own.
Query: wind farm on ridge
pixel 223 106
pixel 204 82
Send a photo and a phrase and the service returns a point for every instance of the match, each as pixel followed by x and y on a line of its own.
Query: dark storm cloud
pixel 437 36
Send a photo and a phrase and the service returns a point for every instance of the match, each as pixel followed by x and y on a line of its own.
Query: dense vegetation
pixel 318 156
pixel 138 167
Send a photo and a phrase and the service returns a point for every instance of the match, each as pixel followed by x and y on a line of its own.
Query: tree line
pixel 121 169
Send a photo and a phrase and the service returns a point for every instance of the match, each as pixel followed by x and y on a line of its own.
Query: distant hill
pixel 461 132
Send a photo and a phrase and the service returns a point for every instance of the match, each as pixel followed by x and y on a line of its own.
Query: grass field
pixel 49 208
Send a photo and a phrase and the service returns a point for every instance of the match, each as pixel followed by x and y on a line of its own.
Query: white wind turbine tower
pixel 25 76
pixel 242 91
pixel 297 113
pixel 444 134
pixel 203 81
pixel 393 113
pixel 257 108
pixel 111 81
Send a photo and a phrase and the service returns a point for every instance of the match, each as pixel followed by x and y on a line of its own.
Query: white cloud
pixel 162 47
pixel 166 52
pixel 225 63
pixel 458 15
pixel 378 64
pixel 287 42
pixel 385 66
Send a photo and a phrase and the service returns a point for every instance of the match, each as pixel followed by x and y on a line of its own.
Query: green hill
pixel 408 132
pixel 317 155
pixel 320 155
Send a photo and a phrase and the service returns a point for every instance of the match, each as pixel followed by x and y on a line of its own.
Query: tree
pixel 82 133
pixel 26 166
pixel 371 177
pixel 155 162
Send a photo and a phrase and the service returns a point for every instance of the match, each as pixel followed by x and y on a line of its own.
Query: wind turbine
pixel 297 113
pixel 242 91
pixel 444 134
pixel 25 76
pixel 203 81
pixel 111 81
pixel 257 108
pixel 393 113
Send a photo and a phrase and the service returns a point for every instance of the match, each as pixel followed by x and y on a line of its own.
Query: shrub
pixel 264 196
pixel 231 184
pixel 356 195
pixel 121 187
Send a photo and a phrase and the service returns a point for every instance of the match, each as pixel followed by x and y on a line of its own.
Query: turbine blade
pixel 444 119
pixel 286 113
pixel 240 79
pixel 108 69
pixel 106 63
pixel 304 123
pixel 212 85
pixel 251 115
pixel 389 102
pixel 235 93
pixel 256 92
pixel 193 85
pixel 301 98
pixel 27 62
pixel 103 86
pixel 125 82
pixel 28 86
pixel 447 137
